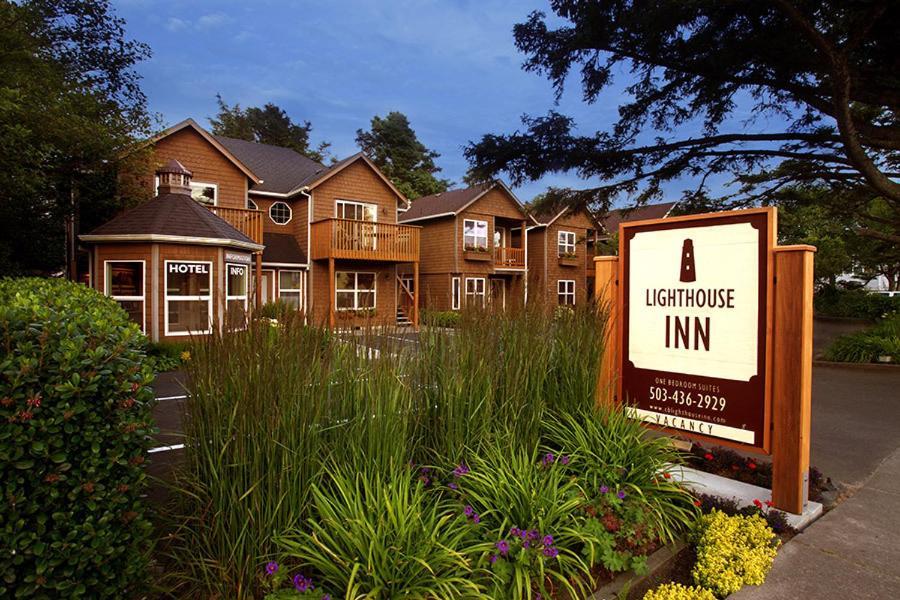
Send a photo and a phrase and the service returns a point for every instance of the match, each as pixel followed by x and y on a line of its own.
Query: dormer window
pixel 204 193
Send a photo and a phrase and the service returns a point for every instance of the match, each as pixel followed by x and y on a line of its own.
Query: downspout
pixel 309 262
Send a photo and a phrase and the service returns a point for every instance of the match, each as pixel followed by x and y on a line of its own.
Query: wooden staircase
pixel 402 318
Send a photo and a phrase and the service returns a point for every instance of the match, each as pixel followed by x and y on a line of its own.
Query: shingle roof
pixel 282 248
pixel 445 202
pixel 171 215
pixel 636 213
pixel 281 169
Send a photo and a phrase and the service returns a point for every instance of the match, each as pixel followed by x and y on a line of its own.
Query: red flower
pixel 734 467
pixel 757 503
pixel 667 475
pixel 697 503
pixel 769 503
pixel 34 400
pixel 708 456
pixel 751 465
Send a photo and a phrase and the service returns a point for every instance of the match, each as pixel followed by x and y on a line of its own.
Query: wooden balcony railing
pixel 364 240
pixel 509 258
pixel 247 221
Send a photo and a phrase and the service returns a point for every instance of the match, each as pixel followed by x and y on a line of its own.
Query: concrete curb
pixel 629 579
pixel 830 364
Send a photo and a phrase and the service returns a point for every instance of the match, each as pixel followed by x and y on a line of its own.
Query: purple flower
pixel 514 532
pixel 534 534
pixel 551 552
pixel 453 486
pixel 301 583
pixel 604 489
pixel 271 567
pixel 526 544
pixel 476 519
pixel 503 547
pixel 326 597
pixel 548 458
pixel 548 540
pixel 523 534
pixel 468 511
pixel 460 470
pixel 493 558
pixel 621 494
pixel 564 460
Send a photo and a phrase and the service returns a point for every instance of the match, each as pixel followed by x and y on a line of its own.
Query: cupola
pixel 174 178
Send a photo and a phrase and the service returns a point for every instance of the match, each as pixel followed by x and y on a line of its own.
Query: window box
pixel 568 260
pixel 477 253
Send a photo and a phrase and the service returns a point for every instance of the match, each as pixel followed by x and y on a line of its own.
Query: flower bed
pixel 475 465
pixel 728 463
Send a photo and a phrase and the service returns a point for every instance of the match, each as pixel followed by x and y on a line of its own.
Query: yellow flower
pixel 185 356
pixel 676 591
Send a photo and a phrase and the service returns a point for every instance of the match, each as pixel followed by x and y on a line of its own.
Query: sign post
pixel 705 345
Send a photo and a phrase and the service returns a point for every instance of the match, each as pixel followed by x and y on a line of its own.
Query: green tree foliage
pixel 392 144
pixel 267 125
pixel 808 215
pixel 70 100
pixel 784 92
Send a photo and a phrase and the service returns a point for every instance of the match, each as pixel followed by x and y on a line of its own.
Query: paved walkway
pixel 852 552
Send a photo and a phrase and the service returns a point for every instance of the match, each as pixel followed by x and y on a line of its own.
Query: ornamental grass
pixel 360 464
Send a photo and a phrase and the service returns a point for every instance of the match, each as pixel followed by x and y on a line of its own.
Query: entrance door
pixel 403 299
pixel 266 287
pixel 498 293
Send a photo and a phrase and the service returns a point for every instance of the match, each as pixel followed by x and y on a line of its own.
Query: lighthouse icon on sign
pixel 688 270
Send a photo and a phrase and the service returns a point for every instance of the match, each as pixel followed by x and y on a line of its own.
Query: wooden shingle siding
pixel 207 164
pixel 359 183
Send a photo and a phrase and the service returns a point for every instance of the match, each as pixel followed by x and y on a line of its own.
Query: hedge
pixel 75 427
pixel 854 303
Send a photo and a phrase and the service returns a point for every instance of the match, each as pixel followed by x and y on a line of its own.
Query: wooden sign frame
pixel 788 354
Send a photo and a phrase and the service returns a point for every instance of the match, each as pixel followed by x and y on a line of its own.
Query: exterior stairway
pixel 402 318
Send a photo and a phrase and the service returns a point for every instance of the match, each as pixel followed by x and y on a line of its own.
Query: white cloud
pixel 213 20
pixel 176 24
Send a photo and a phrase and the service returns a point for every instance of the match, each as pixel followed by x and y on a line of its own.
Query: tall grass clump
pixel 360 458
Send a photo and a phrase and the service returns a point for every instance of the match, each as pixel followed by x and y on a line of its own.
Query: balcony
pixel 249 222
pixel 509 258
pixel 364 240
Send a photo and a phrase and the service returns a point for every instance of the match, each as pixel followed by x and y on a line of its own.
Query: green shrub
pixel 379 535
pixel 676 591
pixel 167 356
pixel 608 450
pixel 732 551
pixel 445 318
pixel 532 508
pixel 867 346
pixel 278 310
pixel 854 303
pixel 75 425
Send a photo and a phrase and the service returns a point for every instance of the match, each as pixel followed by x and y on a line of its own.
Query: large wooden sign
pixel 695 298
pixel 709 336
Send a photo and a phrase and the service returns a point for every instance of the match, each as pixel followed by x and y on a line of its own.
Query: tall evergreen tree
pixel 70 101
pixel 392 144
pixel 785 92
pixel 267 125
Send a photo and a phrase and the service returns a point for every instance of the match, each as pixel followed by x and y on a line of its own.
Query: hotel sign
pixel 695 294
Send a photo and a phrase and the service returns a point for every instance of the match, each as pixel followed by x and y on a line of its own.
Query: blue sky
pixel 451 67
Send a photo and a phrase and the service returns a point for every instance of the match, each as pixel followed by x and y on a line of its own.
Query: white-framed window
pixel 202 192
pixel 475 293
pixel 358 211
pixel 454 293
pixel 565 241
pixel 565 292
pixel 280 213
pixel 354 291
pixel 124 283
pixel 475 235
pixel 290 288
pixel 252 205
pixel 188 297
pixel 237 283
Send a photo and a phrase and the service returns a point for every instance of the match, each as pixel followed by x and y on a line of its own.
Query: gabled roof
pixel 612 219
pixel 321 177
pixel 450 203
pixel 190 123
pixel 175 218
pixel 282 248
pixel 549 217
pixel 283 170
